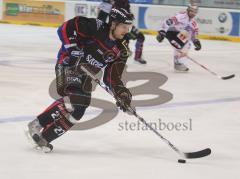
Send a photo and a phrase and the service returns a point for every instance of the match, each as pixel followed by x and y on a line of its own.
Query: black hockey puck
pixel 181 161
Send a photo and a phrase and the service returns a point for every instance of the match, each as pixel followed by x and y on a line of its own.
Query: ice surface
pixel 27 60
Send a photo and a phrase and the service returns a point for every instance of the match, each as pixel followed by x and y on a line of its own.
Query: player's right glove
pixel 123 97
pixel 161 35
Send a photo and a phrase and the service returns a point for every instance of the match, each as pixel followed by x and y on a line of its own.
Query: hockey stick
pixel 213 73
pixel 198 154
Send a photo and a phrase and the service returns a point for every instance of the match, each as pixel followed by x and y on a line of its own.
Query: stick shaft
pixel 131 110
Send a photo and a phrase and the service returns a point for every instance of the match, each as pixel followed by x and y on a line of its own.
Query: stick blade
pixel 198 154
pixel 228 77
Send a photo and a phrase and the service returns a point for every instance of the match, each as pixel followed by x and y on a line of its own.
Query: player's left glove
pixel 161 35
pixel 197 44
pixel 123 97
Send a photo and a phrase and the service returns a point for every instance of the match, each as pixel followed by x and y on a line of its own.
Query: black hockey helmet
pixel 121 15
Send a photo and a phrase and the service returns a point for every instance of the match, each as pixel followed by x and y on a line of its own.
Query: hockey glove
pixel 161 35
pixel 197 44
pixel 123 97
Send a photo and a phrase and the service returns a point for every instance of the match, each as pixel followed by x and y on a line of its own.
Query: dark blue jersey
pixel 92 35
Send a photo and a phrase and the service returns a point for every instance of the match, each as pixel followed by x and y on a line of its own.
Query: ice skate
pixel 140 60
pixel 180 67
pixel 34 134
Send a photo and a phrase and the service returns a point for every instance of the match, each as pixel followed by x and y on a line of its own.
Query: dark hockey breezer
pixel 97 46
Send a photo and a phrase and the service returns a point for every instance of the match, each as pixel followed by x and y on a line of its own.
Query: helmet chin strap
pixel 113 30
pixel 113 34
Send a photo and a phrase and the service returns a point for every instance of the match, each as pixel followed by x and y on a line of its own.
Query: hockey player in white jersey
pixel 181 30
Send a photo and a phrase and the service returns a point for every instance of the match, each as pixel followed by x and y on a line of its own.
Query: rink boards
pixel 216 24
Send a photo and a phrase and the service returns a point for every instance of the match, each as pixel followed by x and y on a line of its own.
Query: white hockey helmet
pixel 192 7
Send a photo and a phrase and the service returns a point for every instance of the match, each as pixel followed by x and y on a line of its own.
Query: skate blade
pixel 139 63
pixel 44 149
pixel 179 71
pixel 35 145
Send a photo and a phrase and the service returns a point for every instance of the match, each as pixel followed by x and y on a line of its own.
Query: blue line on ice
pixel 168 105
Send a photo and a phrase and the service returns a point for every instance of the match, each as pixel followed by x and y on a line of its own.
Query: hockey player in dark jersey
pixel 96 45
pixel 134 34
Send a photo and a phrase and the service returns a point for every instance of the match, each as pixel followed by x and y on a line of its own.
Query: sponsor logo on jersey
pixel 77 53
pixel 74 80
pixel 93 61
pixel 108 59
pixel 109 56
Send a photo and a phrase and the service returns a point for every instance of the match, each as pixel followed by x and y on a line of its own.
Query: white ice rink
pixel 27 60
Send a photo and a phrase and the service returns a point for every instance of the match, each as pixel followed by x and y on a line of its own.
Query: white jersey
pixel 181 22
